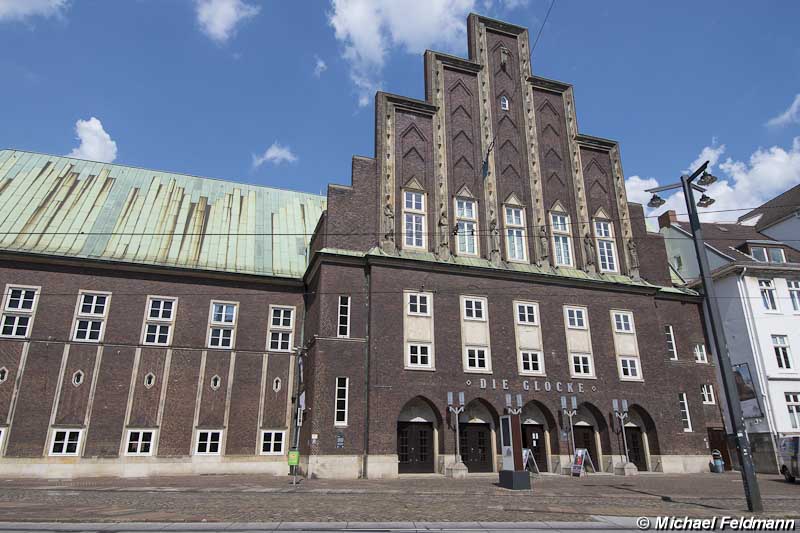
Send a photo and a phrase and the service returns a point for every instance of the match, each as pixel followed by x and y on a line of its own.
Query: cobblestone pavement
pixel 217 498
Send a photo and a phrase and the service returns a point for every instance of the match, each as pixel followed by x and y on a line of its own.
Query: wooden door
pixel 476 447
pixel 414 447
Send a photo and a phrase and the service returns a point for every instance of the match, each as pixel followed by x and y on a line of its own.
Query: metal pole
pixel 622 417
pixel 751 490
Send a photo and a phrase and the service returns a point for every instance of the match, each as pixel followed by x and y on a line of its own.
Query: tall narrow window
pixel 343 329
pixel 515 234
pixel 671 349
pixel 341 401
pixel 767 289
pixel 686 418
pixel 413 219
pixel 281 329
pixel 467 226
pixel 794 294
pixel 18 310
pixel 780 344
pixel 700 354
pixel 606 246
pixel 562 243
pixel 793 404
pixel 90 318
pixel 222 324
pixel 158 320
pixel 707 392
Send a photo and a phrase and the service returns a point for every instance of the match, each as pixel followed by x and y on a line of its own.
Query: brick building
pixel 150 319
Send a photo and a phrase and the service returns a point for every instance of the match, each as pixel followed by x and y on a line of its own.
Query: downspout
pixel 366 371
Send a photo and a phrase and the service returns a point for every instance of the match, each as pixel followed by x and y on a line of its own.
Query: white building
pixel 757 280
pixel 779 218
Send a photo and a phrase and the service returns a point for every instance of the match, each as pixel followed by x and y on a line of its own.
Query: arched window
pixel 276 385
pixel 504 103
pixel 77 378
pixel 149 380
pixel 216 381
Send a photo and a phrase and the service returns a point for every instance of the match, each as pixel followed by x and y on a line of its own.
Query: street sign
pixel 294 458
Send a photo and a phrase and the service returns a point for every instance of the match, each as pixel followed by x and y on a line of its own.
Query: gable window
pixel 793 404
pixel 66 442
pixel 581 365
pixel 504 103
pixel 140 442
pixel 780 344
pixel 623 322
pixel 629 368
pixel 515 234
pixel 562 242
pixel 606 246
pixel 526 313
pixel 208 442
pixel 531 362
pixel 413 219
pixel 281 329
pixel 671 350
pixel 794 294
pixel 272 442
pixel 576 317
pixel 686 418
pixel 159 318
pixel 340 415
pixel 466 226
pixel 90 317
pixel 18 309
pixel 419 355
pixel 418 304
pixel 222 324
pixel 343 329
pixel 700 355
pixel 477 358
pixel 707 392
pixel 767 289
pixel 765 254
pixel 473 308
pixel 759 253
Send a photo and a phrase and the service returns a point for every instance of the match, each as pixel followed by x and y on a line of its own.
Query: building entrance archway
pixel 418 427
pixel 476 427
pixel 539 434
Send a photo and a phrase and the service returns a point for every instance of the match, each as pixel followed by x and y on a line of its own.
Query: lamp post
pixel 622 414
pixel 749 481
pixel 570 413
pixel 459 469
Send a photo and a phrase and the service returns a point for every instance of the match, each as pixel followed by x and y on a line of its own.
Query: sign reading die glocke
pixel 534 385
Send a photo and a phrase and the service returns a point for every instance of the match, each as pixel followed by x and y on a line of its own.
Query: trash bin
pixel 717 465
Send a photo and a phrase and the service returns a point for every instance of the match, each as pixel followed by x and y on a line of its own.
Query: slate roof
pixel 776 209
pixel 70 207
pixel 726 238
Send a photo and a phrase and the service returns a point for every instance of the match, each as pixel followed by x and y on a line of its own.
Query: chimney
pixel 666 219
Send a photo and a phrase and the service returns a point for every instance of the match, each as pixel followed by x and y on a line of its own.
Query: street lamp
pixel 570 413
pixel 622 414
pixel 459 469
pixel 749 481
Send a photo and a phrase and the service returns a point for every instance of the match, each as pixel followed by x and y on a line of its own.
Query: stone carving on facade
pixel 494 232
pixel 444 233
pixel 542 240
pixel 388 217
pixel 588 251
pixel 634 259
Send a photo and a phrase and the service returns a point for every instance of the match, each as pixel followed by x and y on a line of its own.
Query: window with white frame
pixel 686 418
pixel 515 234
pixel 780 345
pixel 158 321
pixel 140 442
pixel 418 304
pixel 759 253
pixel 562 240
pixel 272 442
pixel 581 364
pixel 606 246
pixel 576 317
pixel 671 348
pixel 707 392
pixel 90 317
pixel 764 254
pixel 340 415
pixel 474 308
pixel 623 322
pixel 794 294
pixel 531 362
pixel 629 368
pixel 413 219
pixel 66 442
pixel 793 404
pixel 343 327
pixel 419 355
pixel 477 358
pixel 526 313
pixel 767 289
pixel 466 226
pixel 222 324
pixel 504 103
pixel 208 442
pixel 19 306
pixel 281 329
pixel 700 355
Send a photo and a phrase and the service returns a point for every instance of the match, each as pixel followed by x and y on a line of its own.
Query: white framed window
pixel 700 355
pixel 474 308
pixel 418 304
pixel 340 408
pixel 504 103
pixel 414 219
pixel 531 362
pixel 780 345
pixel 281 328
pixel 527 313
pixel 581 365
pixel 222 319
pixel 794 294
pixel 759 253
pixel 209 442
pixel 562 240
pixel 686 418
pixel 671 348
pixel 466 226
pixel 606 246
pixel 477 358
pixel 19 307
pixel 159 318
pixel 419 355
pixel 623 322
pixel 793 404
pixel 776 255
pixel 66 442
pixel 516 245
pixel 90 316
pixel 140 442
pixel 707 392
pixel 343 326
pixel 767 289
pixel 764 254
pixel 575 317
pixel 272 442
pixel 629 368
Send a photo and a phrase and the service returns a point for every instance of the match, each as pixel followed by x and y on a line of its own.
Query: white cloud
pixel 319 66
pixel 275 154
pixel 709 153
pixel 22 9
pixel 96 144
pixel 791 115
pixel 369 28
pixel 219 18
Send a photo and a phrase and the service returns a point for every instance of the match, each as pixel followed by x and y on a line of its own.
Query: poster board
pixel 582 462
pixel 529 461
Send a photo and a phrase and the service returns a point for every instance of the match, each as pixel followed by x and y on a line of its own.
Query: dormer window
pixel 764 254
pixel 504 105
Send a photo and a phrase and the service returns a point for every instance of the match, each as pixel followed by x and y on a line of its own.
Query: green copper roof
pixel 70 207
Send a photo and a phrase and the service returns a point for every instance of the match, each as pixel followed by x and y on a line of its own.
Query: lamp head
pixel 705 201
pixel 706 179
pixel 656 201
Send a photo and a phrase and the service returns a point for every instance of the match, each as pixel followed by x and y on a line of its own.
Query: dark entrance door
pixel 584 438
pixel 636 452
pixel 415 447
pixel 533 438
pixel 716 441
pixel 476 447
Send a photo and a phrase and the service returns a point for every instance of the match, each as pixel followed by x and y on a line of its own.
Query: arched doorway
pixel 590 431
pixel 476 429
pixel 417 437
pixel 539 434
pixel 641 438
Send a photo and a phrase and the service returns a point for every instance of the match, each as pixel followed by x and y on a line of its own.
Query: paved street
pixel 259 499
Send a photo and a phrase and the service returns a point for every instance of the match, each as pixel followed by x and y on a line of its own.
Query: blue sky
pixel 208 86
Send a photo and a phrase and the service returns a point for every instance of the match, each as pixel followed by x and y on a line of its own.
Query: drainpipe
pixel 366 371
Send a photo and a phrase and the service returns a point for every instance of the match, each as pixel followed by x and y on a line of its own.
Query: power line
pixel 538 35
